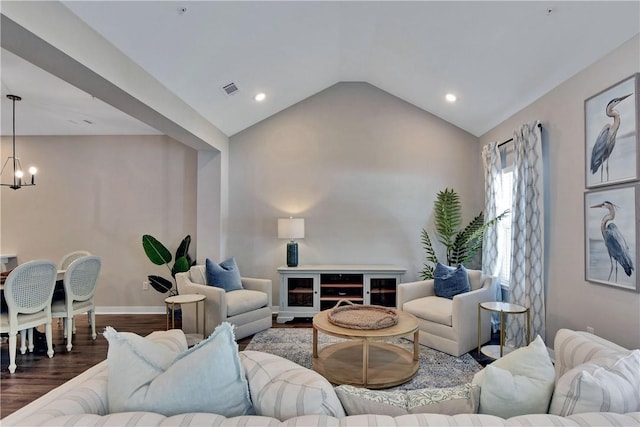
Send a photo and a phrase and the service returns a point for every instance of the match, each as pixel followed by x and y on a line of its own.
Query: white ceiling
pixel 497 57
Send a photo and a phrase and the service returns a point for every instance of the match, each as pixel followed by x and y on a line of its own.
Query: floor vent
pixel 230 88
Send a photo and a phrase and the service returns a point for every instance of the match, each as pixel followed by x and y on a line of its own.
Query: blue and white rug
pixel 437 369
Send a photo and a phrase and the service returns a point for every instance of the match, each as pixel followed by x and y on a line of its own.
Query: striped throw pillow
pixel 610 384
pixel 283 389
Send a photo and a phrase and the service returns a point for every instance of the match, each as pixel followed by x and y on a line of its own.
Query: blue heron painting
pixel 606 140
pixel 614 241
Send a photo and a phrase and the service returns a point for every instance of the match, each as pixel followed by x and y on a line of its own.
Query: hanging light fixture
pixel 18 174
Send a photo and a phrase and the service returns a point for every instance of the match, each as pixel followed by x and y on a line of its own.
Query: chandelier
pixel 17 178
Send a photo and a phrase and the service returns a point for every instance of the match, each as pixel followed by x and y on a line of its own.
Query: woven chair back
pixel 70 257
pixel 81 278
pixel 29 287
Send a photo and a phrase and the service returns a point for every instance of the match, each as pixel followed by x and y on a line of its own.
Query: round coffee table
pixel 363 360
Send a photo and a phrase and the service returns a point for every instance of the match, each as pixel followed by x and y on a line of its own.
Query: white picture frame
pixel 611 134
pixel 606 238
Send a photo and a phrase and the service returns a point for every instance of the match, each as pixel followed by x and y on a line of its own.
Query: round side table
pixel 192 339
pixel 504 308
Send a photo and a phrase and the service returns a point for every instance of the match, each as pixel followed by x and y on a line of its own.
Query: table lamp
pixel 291 228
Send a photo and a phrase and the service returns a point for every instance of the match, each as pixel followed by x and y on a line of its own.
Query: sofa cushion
pixel 461 399
pixel 450 281
pixel 283 389
pixel 608 384
pixel 146 376
pixel 245 300
pixel 519 383
pixel 433 309
pixel 224 275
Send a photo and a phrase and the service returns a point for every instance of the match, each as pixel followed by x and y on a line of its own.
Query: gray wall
pixel 361 166
pixel 573 302
pixel 102 194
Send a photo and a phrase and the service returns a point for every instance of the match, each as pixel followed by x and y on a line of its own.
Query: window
pixel 504 226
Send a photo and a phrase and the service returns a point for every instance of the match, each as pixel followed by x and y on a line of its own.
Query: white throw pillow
pixel 146 376
pixel 517 384
pixel 609 384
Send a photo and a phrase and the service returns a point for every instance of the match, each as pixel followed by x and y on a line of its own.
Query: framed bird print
pixel 612 236
pixel 611 134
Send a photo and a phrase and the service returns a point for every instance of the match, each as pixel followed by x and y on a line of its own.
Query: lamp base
pixel 292 254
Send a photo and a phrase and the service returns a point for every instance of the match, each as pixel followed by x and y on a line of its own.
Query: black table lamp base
pixel 292 254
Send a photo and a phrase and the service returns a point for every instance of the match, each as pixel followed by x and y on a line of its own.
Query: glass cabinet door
pixel 382 291
pixel 300 291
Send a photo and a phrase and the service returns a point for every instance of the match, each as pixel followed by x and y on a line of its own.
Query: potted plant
pixel 461 244
pixel 159 255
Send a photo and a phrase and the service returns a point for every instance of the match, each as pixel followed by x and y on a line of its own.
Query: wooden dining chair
pixel 80 282
pixel 28 290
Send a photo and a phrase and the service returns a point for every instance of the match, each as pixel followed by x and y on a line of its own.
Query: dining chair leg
pixel 92 317
pixel 69 332
pixel 30 339
pixel 73 322
pixel 23 341
pixel 64 327
pixel 49 335
pixel 12 351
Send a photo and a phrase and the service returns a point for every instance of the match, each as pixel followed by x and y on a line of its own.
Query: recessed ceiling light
pixel 260 97
pixel 450 97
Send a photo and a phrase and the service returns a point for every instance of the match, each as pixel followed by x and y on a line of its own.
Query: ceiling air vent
pixel 230 88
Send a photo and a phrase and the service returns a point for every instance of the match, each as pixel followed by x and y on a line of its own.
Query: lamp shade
pixel 290 228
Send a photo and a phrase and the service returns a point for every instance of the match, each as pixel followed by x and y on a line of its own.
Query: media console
pixel 308 289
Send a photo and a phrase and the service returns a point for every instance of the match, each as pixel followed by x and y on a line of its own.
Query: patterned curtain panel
pixel 492 188
pixel 527 228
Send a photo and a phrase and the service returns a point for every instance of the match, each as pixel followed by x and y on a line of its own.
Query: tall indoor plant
pixel 159 255
pixel 461 244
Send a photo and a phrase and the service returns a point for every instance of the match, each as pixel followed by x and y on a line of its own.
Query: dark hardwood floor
pixel 36 374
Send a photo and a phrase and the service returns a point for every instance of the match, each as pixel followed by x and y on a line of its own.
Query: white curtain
pixel 492 189
pixel 527 228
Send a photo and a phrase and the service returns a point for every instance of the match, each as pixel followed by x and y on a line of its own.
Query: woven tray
pixel 358 316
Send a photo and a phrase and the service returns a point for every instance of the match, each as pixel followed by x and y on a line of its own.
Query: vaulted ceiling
pixel 496 57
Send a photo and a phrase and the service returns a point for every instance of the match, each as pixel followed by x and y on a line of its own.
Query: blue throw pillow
pixel 225 276
pixel 450 281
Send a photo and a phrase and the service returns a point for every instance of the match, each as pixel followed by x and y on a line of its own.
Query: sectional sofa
pixel 285 394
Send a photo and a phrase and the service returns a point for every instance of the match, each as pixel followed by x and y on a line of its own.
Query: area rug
pixel 437 369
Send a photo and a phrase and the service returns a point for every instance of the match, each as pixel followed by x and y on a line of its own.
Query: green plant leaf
pixel 160 284
pixel 183 249
pixel 427 272
pixel 462 246
pixel 448 216
pixel 156 252
pixel 181 265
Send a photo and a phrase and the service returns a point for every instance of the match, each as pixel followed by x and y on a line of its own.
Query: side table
pixel 504 308
pixel 192 339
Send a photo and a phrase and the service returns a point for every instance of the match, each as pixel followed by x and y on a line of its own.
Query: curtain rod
pixel 511 139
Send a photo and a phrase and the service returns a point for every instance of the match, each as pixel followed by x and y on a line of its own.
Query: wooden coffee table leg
pixel 365 362
pixel 416 345
pixel 315 343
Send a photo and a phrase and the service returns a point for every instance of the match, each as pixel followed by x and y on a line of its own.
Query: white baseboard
pixel 145 309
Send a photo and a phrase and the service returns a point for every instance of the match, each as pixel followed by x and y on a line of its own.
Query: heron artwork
pixel 606 139
pixel 614 241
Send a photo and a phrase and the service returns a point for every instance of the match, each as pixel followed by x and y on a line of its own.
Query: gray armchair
pixel 449 325
pixel 248 309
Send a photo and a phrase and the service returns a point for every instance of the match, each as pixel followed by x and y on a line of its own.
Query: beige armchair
pixel 248 309
pixel 450 326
